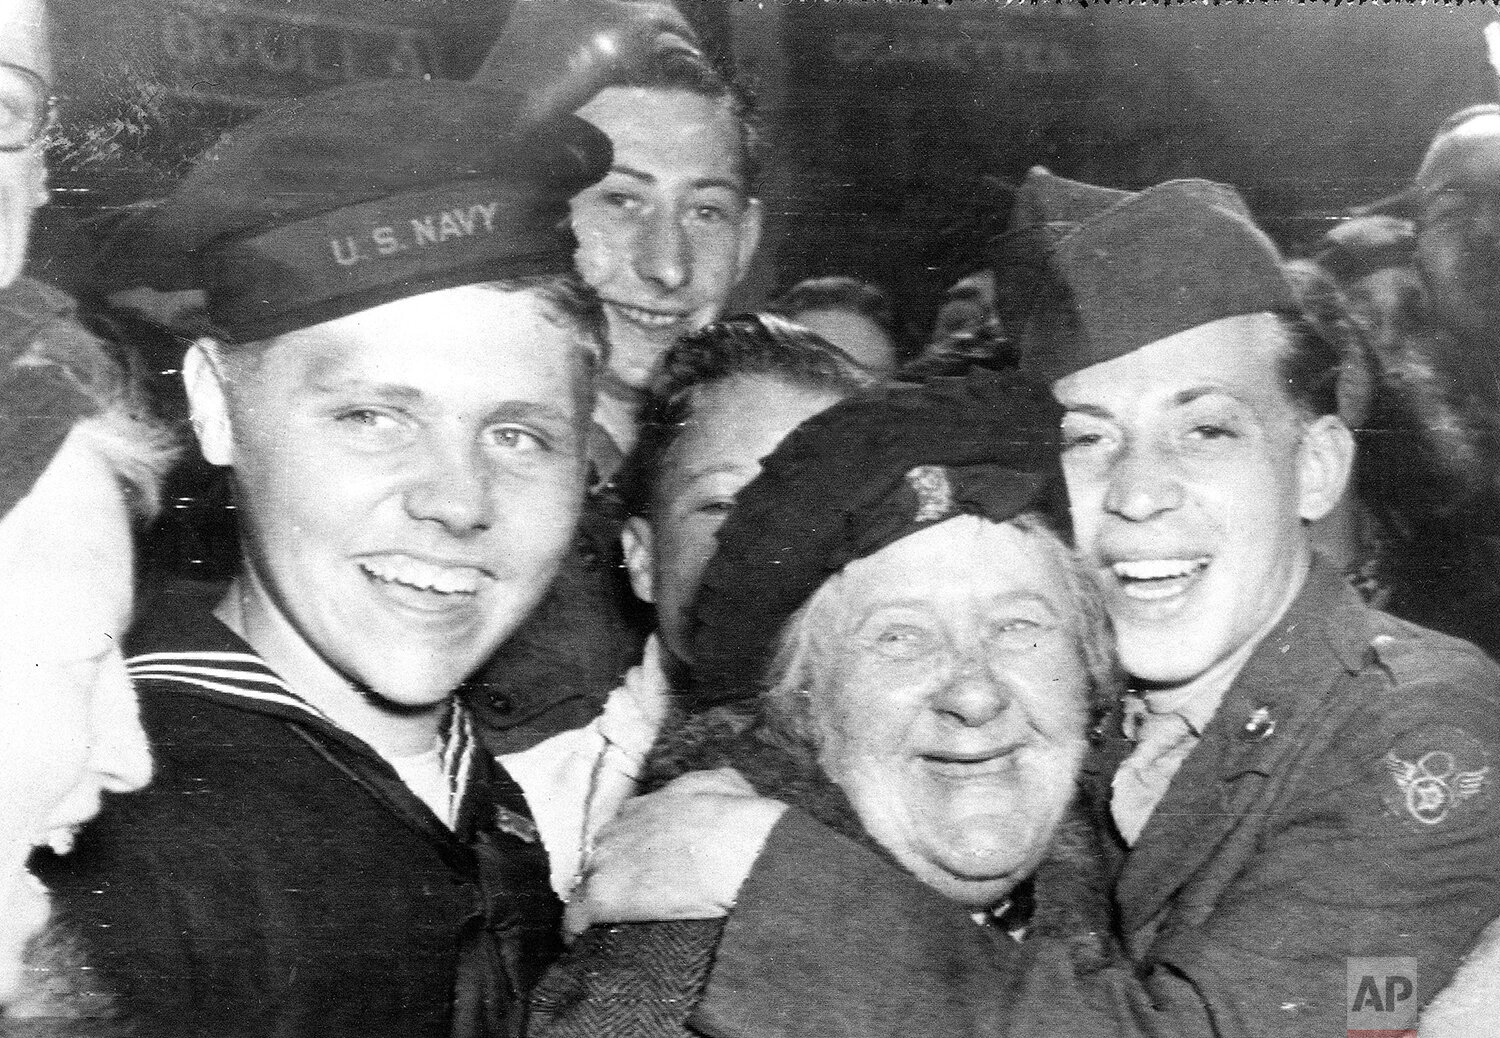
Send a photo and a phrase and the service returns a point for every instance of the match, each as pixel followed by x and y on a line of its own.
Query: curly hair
pixel 136 444
pixel 762 345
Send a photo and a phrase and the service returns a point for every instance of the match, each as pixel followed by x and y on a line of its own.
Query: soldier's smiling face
pixel 1191 475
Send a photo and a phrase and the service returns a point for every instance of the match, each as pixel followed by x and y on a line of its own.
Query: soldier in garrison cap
pixel 397 366
pixel 1298 782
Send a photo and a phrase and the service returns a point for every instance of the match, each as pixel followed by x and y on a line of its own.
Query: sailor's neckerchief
pixel 244 679
pixel 493 843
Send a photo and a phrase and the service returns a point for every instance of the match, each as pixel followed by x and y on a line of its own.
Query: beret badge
pixel 934 493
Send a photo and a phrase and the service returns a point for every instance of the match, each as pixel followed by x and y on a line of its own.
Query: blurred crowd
pixel 536 647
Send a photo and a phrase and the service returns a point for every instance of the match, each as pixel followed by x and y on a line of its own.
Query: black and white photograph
pixel 749 519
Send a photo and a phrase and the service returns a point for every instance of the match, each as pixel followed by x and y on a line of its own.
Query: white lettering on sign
pixel 254 47
pixel 966 53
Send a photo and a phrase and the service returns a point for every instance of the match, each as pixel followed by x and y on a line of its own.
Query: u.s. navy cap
pixel 1088 273
pixel 356 196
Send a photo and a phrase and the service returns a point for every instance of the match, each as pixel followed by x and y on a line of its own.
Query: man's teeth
pixel 1157 569
pixel 647 318
pixel 424 576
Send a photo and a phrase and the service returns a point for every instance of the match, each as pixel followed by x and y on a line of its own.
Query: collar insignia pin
pixel 1259 727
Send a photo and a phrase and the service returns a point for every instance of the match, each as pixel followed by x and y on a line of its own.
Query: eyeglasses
pixel 25 107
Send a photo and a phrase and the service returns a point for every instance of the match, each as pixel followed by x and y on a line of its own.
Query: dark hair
pixel 747 344
pixel 837 292
pixel 1324 344
pixel 695 73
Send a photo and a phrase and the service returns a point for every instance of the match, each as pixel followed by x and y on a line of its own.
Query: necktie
pixel 1162 742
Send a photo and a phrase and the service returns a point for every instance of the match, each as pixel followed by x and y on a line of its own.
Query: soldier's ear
pixel 207 388
pixel 1325 460
pixel 749 238
pixel 636 539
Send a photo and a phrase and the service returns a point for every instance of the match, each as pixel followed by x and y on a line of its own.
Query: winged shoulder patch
pixel 1432 777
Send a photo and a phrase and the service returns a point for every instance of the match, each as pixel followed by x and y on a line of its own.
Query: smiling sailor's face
pixel 407 479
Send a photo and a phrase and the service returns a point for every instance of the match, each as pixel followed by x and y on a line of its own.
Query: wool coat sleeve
pixel 1376 836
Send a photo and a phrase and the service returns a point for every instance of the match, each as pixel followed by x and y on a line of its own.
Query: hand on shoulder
pixel 682 852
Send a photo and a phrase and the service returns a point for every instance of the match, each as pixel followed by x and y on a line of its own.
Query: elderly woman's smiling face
pixel 954 719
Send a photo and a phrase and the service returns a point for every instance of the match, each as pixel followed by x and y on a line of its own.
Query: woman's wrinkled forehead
pixel 964 558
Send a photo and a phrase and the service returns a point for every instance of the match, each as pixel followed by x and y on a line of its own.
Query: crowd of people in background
pixel 1112 659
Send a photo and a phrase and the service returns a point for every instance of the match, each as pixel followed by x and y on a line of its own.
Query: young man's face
pixel 1190 475
pixel 670 231
pixel 734 425
pixel 23 173
pixel 407 479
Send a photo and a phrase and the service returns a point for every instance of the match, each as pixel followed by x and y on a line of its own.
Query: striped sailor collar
pixel 242 679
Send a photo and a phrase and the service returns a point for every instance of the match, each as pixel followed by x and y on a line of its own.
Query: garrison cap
pixel 39 402
pixel 356 196
pixel 1088 274
pixel 861 475
pixel 560 54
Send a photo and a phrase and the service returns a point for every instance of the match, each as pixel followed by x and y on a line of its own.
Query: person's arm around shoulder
pixel 681 852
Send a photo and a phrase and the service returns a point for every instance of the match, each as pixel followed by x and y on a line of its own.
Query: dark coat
pixel 556 671
pixel 1316 822
pixel 644 980
pixel 277 878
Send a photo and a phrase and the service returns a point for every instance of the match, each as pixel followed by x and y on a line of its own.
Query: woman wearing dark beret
pixel 892 637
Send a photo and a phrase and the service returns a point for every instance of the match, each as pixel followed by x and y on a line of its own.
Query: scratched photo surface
pixel 894 136
pixel 892 131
